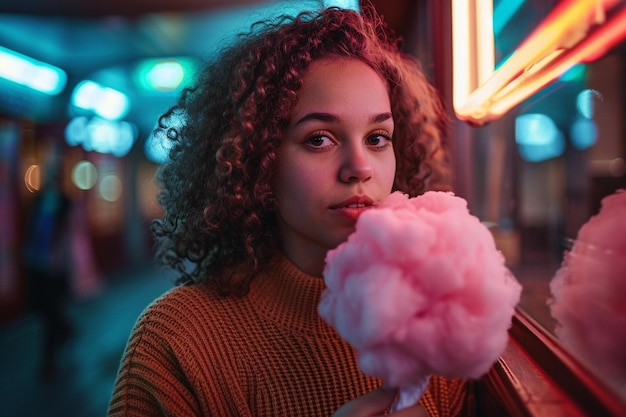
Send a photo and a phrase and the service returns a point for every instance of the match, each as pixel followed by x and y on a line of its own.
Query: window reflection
pixel 587 292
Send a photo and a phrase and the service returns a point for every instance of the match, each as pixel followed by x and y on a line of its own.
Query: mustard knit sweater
pixel 193 353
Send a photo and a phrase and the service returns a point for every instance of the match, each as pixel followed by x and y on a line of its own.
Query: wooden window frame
pixel 537 377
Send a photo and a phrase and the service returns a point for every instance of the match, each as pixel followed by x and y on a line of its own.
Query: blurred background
pixel 82 84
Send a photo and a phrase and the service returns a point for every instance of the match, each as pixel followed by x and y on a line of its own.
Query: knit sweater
pixel 194 353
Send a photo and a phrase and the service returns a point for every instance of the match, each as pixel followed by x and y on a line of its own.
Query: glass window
pixel 547 179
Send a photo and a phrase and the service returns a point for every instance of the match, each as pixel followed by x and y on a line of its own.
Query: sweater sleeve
pixel 150 381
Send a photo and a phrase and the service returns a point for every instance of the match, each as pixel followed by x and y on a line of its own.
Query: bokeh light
pixel 103 101
pixel 31 73
pixel 585 102
pixel 166 75
pixel 583 133
pixel 32 178
pixel 110 187
pixel 101 135
pixel 538 138
pixel 84 175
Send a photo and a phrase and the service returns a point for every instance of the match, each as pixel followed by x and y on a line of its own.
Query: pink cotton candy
pixel 418 289
pixel 588 292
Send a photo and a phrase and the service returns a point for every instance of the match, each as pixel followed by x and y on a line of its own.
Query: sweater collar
pixel 289 297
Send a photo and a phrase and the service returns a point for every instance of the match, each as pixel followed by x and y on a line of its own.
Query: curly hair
pixel 219 209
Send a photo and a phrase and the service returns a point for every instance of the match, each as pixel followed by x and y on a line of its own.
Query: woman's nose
pixel 356 167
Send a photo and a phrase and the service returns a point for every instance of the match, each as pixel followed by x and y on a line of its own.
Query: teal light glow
pixel 157 149
pixel 538 138
pixel 503 12
pixel 103 101
pixel 164 74
pixel 585 102
pixel 583 133
pixel 31 73
pixel 101 135
pixel 343 4
pixel 575 73
pixel 157 146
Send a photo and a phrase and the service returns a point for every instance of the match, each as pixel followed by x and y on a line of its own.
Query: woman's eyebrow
pixel 381 117
pixel 323 117
pixel 329 117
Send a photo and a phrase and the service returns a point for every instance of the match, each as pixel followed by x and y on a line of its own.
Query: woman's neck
pixel 311 263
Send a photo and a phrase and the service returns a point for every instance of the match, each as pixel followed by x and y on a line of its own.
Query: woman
pixel 285 140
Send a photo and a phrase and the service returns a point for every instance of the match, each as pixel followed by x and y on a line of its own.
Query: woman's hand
pixel 375 403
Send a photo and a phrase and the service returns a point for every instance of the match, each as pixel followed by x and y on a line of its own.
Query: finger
pixel 371 404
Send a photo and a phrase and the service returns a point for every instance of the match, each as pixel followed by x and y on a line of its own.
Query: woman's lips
pixel 352 213
pixel 353 207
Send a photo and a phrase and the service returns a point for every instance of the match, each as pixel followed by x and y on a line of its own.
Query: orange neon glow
pixel 558 43
pixel 593 47
pixel 473 52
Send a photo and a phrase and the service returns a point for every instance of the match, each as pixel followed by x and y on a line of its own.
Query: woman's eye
pixel 319 141
pixel 379 140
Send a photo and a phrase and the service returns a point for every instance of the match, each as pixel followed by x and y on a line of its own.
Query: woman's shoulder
pixel 182 317
pixel 190 309
pixel 182 301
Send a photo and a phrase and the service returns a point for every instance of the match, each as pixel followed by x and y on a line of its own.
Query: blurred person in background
pixel 48 263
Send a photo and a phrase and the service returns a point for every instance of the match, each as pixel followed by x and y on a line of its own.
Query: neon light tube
pixel 31 73
pixel 590 49
pixel 559 42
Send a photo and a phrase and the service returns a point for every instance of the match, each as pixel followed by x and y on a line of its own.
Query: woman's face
pixel 336 160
